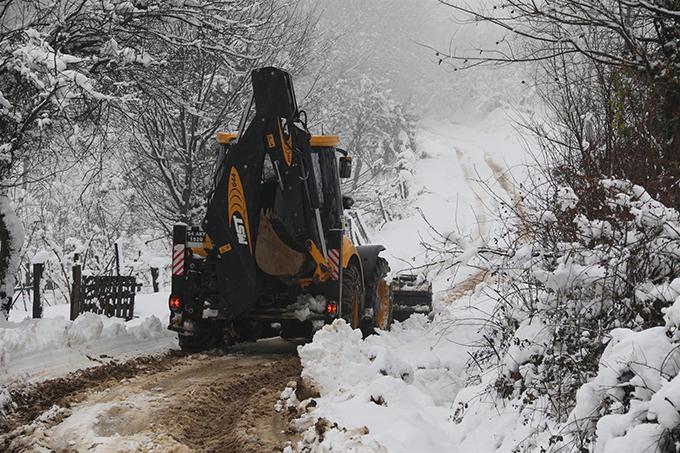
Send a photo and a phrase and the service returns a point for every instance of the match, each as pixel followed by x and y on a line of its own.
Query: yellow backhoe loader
pixel 272 255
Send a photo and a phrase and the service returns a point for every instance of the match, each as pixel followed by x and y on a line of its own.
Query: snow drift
pixel 38 349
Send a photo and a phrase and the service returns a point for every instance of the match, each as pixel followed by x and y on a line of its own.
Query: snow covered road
pixel 468 170
pixel 397 391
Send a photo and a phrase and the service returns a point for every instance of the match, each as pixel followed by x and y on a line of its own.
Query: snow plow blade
pixel 410 294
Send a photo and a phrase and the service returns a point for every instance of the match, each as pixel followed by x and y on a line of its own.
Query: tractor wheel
pixel 352 295
pixel 207 337
pixel 291 329
pixel 378 297
pixel 248 331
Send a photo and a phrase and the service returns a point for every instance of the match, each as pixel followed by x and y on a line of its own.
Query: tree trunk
pixel 11 239
pixel 357 173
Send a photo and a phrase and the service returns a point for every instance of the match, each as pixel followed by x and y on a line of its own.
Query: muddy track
pixel 201 402
pixel 33 400
pixel 467 286
pixel 501 176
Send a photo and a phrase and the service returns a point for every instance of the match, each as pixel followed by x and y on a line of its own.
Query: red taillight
pixel 331 309
pixel 175 303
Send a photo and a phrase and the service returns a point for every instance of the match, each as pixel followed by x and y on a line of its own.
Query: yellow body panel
pixel 324 141
pixel 286 146
pixel 323 267
pixel 224 138
pixel 348 250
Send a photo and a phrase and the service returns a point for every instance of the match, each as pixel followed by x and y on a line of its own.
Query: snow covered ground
pixel 36 349
pixel 469 168
pixel 401 385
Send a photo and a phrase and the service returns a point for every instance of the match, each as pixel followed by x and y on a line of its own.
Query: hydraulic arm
pixel 233 217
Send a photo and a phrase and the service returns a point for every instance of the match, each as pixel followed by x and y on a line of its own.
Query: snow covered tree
pixel 610 79
pixel 81 209
pixel 39 81
pixel 71 67
pixel 198 90
pixel 376 129
pixel 587 300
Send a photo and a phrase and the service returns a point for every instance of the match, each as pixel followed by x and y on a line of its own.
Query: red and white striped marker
pixel 178 259
pixel 334 260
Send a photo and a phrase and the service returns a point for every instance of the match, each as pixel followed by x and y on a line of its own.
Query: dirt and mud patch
pixel 202 402
pixel 228 405
pixel 32 400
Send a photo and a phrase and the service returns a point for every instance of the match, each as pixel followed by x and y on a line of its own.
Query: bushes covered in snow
pixel 585 344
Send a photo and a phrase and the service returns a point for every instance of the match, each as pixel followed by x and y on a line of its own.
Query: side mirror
pixel 345 167
pixel 347 202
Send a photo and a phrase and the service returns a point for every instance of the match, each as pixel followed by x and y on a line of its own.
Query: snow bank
pixel 37 349
pixel 573 355
pixel 397 386
pixel 34 335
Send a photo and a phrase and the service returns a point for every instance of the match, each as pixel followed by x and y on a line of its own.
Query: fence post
pixel 154 279
pixel 75 288
pixel 37 276
pixel 116 249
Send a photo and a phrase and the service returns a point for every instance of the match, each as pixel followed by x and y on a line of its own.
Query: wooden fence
pixel 111 295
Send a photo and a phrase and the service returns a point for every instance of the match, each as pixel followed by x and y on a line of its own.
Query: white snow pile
pixel 31 335
pixel 288 399
pixel 390 392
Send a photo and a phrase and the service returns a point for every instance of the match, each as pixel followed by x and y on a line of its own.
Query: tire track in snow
pixel 484 275
pixel 501 176
pixel 480 213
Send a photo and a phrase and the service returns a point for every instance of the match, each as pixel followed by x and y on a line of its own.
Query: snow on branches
pixel 129 91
